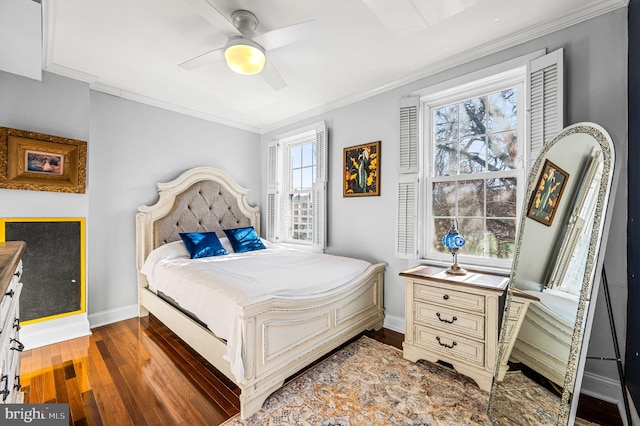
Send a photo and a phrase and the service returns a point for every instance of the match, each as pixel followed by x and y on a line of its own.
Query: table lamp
pixel 453 241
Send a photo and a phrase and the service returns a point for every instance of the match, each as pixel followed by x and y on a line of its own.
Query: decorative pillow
pixel 202 244
pixel 226 244
pixel 244 239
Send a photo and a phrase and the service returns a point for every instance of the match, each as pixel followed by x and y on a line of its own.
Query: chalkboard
pixel 52 266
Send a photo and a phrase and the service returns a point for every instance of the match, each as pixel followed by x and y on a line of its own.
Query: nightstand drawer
pixel 450 298
pixel 516 310
pixel 451 346
pixel 8 300
pixel 449 320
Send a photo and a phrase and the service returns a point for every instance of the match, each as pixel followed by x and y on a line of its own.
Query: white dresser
pixel 10 346
pixel 454 319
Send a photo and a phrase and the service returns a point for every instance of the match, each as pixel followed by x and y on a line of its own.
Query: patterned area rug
pixel 369 383
pixel 508 409
pixel 541 410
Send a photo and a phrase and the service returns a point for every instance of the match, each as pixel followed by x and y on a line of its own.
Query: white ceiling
pixel 132 48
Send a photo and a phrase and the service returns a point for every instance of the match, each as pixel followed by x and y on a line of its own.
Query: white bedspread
pixel 213 287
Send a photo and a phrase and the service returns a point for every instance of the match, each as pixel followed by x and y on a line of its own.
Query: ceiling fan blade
pixel 214 16
pixel 204 59
pixel 286 35
pixel 273 78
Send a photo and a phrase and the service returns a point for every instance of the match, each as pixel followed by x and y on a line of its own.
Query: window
pixel 474 167
pixel 465 147
pixel 296 192
pixel 301 167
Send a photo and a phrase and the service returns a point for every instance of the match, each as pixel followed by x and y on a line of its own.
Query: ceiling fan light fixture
pixel 244 56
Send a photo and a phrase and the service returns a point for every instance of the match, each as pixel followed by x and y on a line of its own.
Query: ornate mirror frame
pixel 566 411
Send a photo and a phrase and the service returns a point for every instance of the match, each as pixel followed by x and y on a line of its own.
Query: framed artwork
pixel 547 193
pixel 362 170
pixel 39 162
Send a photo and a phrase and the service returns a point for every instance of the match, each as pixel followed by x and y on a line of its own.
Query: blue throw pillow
pixel 244 239
pixel 202 244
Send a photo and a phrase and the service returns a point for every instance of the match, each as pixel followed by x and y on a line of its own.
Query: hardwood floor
pixel 137 372
pixel 133 372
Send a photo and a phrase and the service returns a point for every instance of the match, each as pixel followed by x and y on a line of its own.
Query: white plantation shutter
pixel 408 169
pixel 319 195
pixel 273 211
pixel 409 109
pixel 406 233
pixel 319 215
pixel 545 106
pixel 321 152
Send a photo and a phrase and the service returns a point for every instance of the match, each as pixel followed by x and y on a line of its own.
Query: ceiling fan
pixel 245 50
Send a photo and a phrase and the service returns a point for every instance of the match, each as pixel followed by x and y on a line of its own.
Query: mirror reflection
pixel 552 280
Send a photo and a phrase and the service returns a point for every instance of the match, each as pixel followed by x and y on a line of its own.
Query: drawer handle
pixel 451 321
pixel 18 348
pixel 10 293
pixel 17 274
pixel 18 385
pixel 16 324
pixel 445 297
pixel 5 392
pixel 444 344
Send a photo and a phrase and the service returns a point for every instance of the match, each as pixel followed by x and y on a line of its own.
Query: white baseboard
pixel 601 387
pixel 394 323
pixel 608 390
pixel 54 331
pixel 113 315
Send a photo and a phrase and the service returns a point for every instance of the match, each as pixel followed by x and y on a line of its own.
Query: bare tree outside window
pixel 473 176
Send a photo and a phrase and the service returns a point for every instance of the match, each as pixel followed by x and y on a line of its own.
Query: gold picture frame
pixel 38 162
pixel 361 170
pixel 546 196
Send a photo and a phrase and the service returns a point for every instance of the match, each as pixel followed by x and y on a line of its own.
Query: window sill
pixel 480 268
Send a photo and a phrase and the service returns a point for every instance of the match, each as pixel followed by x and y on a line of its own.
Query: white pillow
pixel 226 244
pixel 172 250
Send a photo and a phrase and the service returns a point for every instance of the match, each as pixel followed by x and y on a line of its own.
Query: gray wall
pixel 596 91
pixel 55 106
pixel 131 147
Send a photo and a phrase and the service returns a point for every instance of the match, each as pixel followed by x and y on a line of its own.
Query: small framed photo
pixel 547 193
pixel 362 170
pixel 39 162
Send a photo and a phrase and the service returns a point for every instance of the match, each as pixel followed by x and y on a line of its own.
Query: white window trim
pixel 513 78
pixel 470 78
pixel 548 109
pixel 277 159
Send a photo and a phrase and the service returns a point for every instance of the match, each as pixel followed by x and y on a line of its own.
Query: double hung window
pixel 474 168
pixel 464 155
pixel 296 190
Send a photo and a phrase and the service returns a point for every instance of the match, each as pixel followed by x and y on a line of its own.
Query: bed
pixel 272 336
pixel 544 339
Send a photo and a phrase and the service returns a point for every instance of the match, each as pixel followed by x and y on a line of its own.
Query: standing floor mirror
pixel 554 281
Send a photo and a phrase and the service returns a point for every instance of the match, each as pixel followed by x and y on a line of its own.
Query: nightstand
pixel 454 319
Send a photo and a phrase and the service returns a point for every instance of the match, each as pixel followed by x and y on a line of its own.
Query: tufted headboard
pixel 204 206
pixel 200 199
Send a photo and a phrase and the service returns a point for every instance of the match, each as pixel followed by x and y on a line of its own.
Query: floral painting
pixel 547 193
pixel 362 170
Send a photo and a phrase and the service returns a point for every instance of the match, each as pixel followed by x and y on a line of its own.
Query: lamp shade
pixel 453 241
pixel 244 56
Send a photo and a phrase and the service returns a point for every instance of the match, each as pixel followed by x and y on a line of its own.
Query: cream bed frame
pixel 544 342
pixel 280 336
